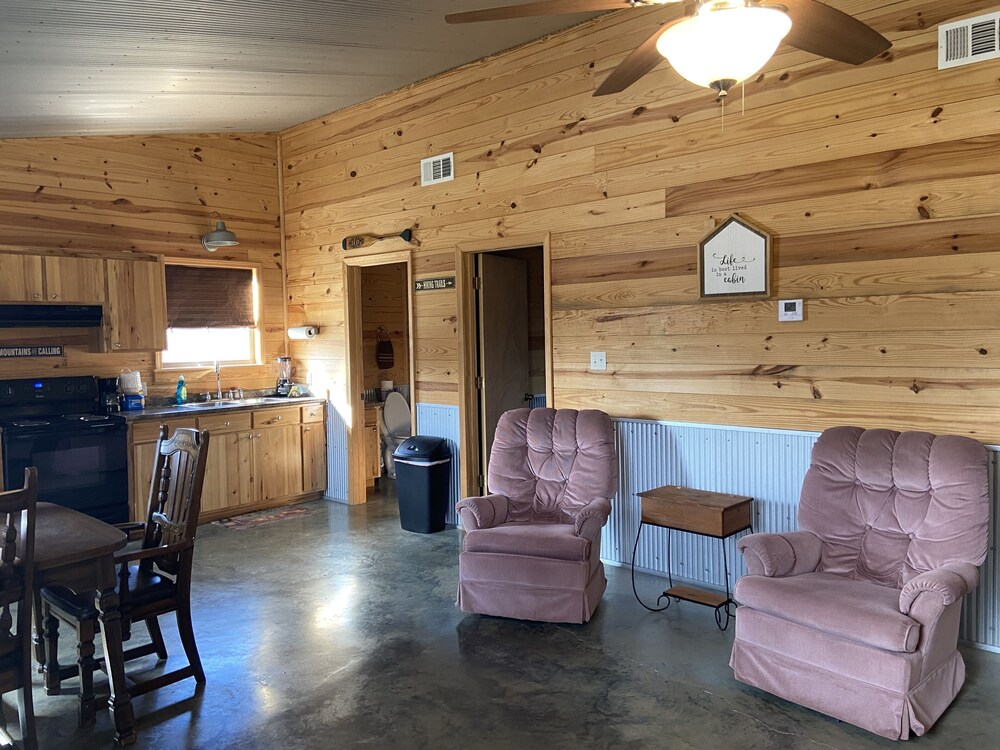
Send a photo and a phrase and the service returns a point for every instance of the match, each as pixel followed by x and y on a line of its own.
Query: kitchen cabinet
pixel 314 448
pixel 373 447
pixel 21 278
pixel 257 459
pixel 229 470
pixel 277 458
pixel 136 310
pixel 51 278
pixel 142 459
pixel 78 281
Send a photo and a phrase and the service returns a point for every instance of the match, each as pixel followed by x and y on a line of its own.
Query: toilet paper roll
pixel 301 333
pixel 386 385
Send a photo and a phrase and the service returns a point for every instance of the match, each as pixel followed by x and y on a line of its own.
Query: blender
pixel 284 384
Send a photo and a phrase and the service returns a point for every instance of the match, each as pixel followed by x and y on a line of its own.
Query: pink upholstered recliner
pixel 856 615
pixel 532 549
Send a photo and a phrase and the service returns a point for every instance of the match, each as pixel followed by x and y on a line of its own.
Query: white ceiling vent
pixel 437 169
pixel 970 41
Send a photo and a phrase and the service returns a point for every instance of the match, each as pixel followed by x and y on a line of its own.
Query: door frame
pixel 353 262
pixel 468 399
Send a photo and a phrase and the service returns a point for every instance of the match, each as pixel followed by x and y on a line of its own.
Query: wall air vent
pixel 437 169
pixel 970 41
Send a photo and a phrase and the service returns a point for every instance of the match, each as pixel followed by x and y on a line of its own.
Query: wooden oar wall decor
pixel 357 241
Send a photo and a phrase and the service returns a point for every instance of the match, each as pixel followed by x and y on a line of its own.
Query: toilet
pixel 395 426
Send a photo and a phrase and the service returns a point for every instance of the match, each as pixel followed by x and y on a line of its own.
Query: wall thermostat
pixel 789 310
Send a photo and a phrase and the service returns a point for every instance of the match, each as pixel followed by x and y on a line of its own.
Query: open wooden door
pixel 504 366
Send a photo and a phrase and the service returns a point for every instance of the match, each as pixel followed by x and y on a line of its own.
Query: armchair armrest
pixel 133 530
pixel 483 512
pixel 942 586
pixel 779 555
pixel 591 518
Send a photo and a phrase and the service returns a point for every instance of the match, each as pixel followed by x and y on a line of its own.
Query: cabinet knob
pixel 118 346
pixel 226 424
pixel 38 296
pixel 258 435
pixel 307 429
pixel 277 418
pixel 55 296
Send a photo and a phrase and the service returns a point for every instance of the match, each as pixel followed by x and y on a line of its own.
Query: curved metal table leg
pixel 662 596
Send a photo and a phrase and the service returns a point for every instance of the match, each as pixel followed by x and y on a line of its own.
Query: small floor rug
pixel 262 517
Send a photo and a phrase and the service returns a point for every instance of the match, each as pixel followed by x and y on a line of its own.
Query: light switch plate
pixel 790 310
pixel 598 361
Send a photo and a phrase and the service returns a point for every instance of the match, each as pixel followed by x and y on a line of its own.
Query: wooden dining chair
pixel 17 558
pixel 153 579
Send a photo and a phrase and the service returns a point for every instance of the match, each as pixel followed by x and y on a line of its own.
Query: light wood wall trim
pixel 353 262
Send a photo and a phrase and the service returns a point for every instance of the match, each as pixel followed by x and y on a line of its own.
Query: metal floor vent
pixel 969 41
pixel 437 169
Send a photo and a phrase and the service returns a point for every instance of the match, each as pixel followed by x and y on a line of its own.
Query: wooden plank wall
pixel 149 195
pixel 881 184
pixel 384 305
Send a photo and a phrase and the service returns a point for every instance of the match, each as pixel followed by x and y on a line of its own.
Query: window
pixel 212 314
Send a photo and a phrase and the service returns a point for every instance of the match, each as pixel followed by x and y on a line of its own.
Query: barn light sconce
pixel 218 237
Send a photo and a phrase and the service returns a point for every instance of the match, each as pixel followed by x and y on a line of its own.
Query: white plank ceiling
pixel 82 67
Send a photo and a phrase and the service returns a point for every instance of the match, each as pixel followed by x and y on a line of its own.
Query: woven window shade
pixel 209 297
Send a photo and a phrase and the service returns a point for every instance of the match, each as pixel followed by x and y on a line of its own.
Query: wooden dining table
pixel 78 552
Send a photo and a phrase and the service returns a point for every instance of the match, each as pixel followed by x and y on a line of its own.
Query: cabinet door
pixel 21 278
pixel 313 457
pixel 140 478
pixel 277 460
pixel 74 280
pixel 136 309
pixel 372 449
pixel 227 472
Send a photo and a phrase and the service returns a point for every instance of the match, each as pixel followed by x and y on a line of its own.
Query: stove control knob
pixel 69 389
pixel 81 388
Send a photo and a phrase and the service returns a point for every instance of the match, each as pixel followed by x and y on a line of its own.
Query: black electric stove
pixel 55 424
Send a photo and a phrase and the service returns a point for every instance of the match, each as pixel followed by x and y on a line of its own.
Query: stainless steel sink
pixel 216 403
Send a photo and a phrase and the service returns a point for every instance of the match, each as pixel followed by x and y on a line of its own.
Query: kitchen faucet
pixel 218 380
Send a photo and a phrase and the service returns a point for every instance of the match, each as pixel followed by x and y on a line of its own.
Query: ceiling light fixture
pixel 724 43
pixel 218 237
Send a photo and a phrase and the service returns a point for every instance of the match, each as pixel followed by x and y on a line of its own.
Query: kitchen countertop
pixel 173 410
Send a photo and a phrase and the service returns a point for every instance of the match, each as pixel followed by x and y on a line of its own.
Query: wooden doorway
pixel 497 339
pixel 354 349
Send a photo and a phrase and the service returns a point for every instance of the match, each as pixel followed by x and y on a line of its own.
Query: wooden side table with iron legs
pixel 698 512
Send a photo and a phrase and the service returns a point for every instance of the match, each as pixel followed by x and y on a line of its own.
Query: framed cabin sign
pixel 734 261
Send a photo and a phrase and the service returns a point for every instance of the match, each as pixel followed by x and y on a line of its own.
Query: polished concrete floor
pixel 338 630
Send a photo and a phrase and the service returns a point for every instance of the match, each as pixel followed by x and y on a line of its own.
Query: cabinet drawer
pixel 149 430
pixel 280 416
pixel 312 413
pixel 225 422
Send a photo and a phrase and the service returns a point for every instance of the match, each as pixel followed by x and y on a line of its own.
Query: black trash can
pixel 423 481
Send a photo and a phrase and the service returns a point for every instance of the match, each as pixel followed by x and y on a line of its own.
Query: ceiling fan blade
pixel 643 59
pixel 828 32
pixel 542 8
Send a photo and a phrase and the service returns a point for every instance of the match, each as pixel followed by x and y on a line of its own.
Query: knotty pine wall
pixel 384 305
pixel 881 185
pixel 148 195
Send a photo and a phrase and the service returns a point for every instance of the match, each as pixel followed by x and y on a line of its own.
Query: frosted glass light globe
pixel 719 48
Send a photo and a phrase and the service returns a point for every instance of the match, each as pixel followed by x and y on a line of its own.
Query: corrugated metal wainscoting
pixel 336 455
pixel 440 420
pixel 766 464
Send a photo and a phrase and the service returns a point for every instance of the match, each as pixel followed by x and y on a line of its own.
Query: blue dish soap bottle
pixel 182 391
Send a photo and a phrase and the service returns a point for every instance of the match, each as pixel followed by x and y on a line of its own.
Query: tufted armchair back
pixel 889 506
pixel 551 463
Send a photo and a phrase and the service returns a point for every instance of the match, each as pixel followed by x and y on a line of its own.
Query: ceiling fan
pixel 717 43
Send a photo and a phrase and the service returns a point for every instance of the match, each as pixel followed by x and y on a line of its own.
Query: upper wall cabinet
pixel 21 278
pixel 136 311
pixel 74 280
pixel 36 278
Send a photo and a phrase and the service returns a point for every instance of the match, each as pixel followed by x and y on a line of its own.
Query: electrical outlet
pixel 598 361
pixel 790 310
